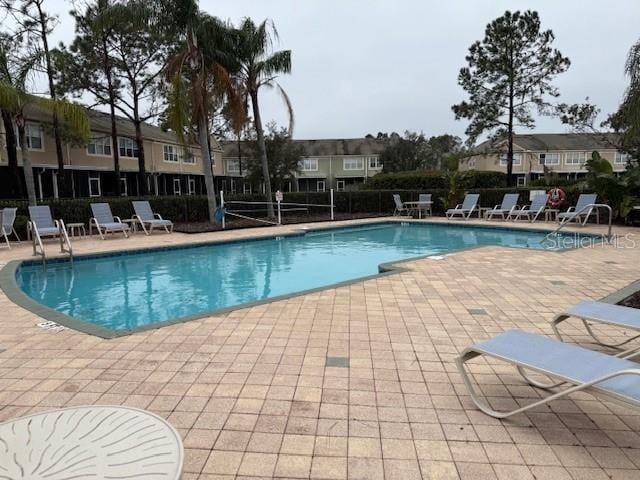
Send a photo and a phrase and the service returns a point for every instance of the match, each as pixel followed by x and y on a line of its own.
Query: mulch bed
pixel 631 301
pixel 235 223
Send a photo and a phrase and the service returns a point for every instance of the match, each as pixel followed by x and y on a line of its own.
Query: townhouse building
pixel 340 164
pixel 171 168
pixel 563 154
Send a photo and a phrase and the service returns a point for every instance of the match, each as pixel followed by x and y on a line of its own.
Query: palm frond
pixel 178 108
pixel 72 114
pixel 11 98
pixel 287 103
pixel 278 62
pixel 632 65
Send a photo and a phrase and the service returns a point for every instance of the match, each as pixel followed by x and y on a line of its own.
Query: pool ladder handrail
pixel 566 220
pixel 62 235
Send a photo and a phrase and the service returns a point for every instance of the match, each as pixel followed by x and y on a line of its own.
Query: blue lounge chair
pixel 583 209
pixel 509 204
pixel 146 218
pixel 604 313
pixel 42 225
pixel 399 206
pixel 574 368
pixel 7 221
pixel 105 222
pixel 533 211
pixel 466 208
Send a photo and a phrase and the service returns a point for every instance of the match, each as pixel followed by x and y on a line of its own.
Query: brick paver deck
pixel 253 396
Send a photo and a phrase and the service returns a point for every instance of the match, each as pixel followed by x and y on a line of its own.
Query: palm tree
pixel 198 73
pixel 260 66
pixel 626 121
pixel 15 99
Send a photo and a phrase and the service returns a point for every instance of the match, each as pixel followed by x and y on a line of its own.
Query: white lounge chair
pixel 42 225
pixel 105 222
pixel 583 209
pixel 466 208
pixel 425 204
pixel 146 218
pixel 509 204
pixel 573 368
pixel 7 220
pixel 399 206
pixel 531 212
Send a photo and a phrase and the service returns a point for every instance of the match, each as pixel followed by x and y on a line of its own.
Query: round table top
pixel 92 443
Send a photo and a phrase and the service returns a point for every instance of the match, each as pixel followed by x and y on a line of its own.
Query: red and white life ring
pixel 556 197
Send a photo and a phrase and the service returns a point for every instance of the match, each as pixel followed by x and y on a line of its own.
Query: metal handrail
pixel 576 214
pixel 64 239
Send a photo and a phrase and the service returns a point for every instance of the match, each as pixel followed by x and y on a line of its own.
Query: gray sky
pixel 363 66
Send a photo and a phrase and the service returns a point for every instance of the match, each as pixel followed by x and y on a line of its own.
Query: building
pixel 563 154
pixel 171 169
pixel 329 163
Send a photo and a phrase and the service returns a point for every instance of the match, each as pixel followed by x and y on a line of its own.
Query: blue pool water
pixel 129 291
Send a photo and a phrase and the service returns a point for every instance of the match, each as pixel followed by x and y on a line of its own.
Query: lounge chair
pixel 400 208
pixel 146 218
pixel 572 367
pixel 533 211
pixel 105 222
pixel 509 204
pixel 604 313
pixel 583 209
pixel 7 220
pixel 466 208
pixel 42 225
pixel 425 204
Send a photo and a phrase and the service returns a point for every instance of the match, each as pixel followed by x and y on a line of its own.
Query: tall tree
pixel 509 74
pixel 16 100
pixel 88 65
pixel 626 121
pixel 260 66
pixel 33 20
pixel 197 72
pixel 11 141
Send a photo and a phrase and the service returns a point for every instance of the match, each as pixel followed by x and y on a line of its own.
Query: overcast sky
pixel 363 66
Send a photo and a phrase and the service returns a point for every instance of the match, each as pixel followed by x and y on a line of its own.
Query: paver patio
pixel 253 394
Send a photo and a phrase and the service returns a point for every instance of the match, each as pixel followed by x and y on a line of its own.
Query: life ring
pixel 556 197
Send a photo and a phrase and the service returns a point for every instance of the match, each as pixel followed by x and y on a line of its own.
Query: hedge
pixel 417 180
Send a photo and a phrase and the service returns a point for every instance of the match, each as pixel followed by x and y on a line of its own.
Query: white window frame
pixel 124 191
pixel 517 159
pixel 95 178
pixel 236 163
pixel 189 158
pixel 546 156
pixel 321 183
pixel 28 131
pixel 309 165
pixel 246 187
pixel 582 158
pixel 177 192
pixel 521 181
pixel 102 142
pixel 191 186
pixel 130 144
pixel 374 163
pixel 621 158
pixel 169 152
pixel 232 185
pixel 347 161
pixel 340 185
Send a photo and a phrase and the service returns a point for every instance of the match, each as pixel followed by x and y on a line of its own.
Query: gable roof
pixel 322 147
pixel 538 142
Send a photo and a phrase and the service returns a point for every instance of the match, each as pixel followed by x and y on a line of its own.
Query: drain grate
pixel 340 362
pixel 477 311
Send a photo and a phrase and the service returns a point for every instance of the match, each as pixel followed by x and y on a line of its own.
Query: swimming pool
pixel 118 294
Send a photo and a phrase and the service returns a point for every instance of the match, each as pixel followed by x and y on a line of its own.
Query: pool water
pixel 132 290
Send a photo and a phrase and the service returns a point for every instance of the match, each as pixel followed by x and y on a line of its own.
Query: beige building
pixel 327 163
pixel 171 168
pixel 538 154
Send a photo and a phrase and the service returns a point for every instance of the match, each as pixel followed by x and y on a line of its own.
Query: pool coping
pixel 12 290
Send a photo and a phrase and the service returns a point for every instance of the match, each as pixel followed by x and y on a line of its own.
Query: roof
pixel 101 122
pixel 554 141
pixel 323 147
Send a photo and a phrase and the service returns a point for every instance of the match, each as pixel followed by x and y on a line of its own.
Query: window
pixel 340 185
pixel 375 163
pixel 191 186
pixel 127 147
pixel 517 159
pixel 352 163
pixel 189 158
pixel 123 186
pixel 621 158
pixel 94 185
pixel 522 181
pixel 246 188
pixel 575 158
pixel 320 185
pixel 309 165
pixel 233 165
pixel 99 146
pixel 549 158
pixel 34 137
pixel 233 186
pixel 170 154
pixel 176 186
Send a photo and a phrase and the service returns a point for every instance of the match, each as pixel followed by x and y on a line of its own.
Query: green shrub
pixel 478 179
pixel 412 180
